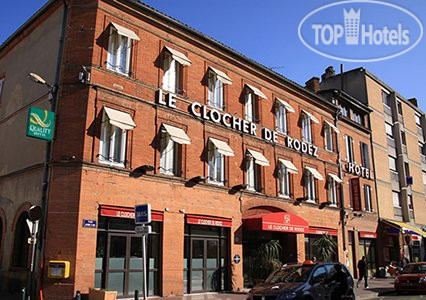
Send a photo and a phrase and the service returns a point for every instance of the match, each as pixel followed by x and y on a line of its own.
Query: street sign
pixel 142 214
pixel 143 229
pixel 40 123
pixel 89 223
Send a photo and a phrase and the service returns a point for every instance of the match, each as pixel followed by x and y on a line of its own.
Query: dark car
pixel 412 278
pixel 306 281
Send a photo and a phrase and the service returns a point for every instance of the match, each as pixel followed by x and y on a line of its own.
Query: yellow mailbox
pixel 58 269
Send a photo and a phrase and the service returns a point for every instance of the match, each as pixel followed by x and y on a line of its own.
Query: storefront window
pixel 367 248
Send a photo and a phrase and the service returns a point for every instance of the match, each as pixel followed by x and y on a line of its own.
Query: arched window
pixel 20 242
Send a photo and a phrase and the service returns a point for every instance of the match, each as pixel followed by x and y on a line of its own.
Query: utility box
pixel 59 269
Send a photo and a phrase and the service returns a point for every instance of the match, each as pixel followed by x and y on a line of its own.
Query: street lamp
pixel 40 80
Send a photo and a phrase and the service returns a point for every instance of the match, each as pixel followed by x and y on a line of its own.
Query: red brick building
pixel 228 153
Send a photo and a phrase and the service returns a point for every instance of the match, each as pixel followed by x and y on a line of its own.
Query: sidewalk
pixel 377 287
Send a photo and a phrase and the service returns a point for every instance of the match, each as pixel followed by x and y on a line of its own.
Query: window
pixel 20 244
pixel 284 178
pixel 349 149
pixel 386 99
pixel 172 74
pixel 250 106
pixel 328 137
pixel 407 169
pixel 216 81
pixel 365 156
pixel 169 155
pixel 356 117
pixel 421 148
pixel 403 138
pixel 392 163
pixel 216 160
pixel 344 110
pixel 332 191
pixel 253 174
pixel 418 120
pixel 119 48
pixel 424 177
pixel 281 118
pixel 367 198
pixel 310 192
pixel 389 130
pixel 399 106
pixel 410 202
pixel 306 128
pixel 396 198
pixel 113 136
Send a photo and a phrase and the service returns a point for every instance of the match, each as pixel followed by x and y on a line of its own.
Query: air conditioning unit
pixel 409 180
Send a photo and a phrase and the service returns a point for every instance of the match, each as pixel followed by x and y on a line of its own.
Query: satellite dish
pixel 34 213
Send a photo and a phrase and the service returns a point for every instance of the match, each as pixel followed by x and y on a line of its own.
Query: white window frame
pixel 384 99
pixel 172 73
pixel 169 155
pixel 367 198
pixel 215 91
pixel 418 119
pixel 310 190
pixel 389 130
pixel 250 106
pixel 119 52
pixel 306 128
pixel 332 191
pixel 111 138
pixel 283 181
pixel 328 137
pixel 424 177
pixel 281 118
pixel 349 143
pixel 216 165
pixel 396 197
pixel 252 174
pixel 392 164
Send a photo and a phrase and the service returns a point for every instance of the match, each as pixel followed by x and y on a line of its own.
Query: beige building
pixel 398 128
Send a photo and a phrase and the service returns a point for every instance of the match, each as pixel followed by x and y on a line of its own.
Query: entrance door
pixel 205 265
pixel 124 264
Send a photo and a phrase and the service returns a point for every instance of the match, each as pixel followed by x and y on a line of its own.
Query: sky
pixel 267 32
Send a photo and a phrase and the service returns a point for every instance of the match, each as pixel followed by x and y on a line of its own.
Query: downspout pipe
pixel 49 149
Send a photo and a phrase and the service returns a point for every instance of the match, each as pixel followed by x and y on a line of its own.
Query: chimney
pixel 313 84
pixel 413 101
pixel 328 73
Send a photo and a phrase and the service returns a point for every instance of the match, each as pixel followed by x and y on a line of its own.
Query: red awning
pixel 280 221
pixel 208 220
pixel 127 212
pixel 367 235
pixel 320 230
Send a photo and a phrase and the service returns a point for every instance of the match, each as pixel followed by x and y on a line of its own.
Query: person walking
pixel 362 272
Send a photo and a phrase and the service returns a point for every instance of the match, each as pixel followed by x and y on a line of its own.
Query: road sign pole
pixel 144 242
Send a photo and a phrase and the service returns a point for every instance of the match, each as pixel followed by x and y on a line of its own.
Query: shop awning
pixel 259 159
pixel 335 177
pixel 178 56
pixel 256 91
pixel 291 168
pixel 221 75
pixel 222 147
pixel 120 119
pixel 406 228
pixel 321 230
pixel 208 220
pixel 332 126
pixel 279 221
pixel 367 235
pixel 287 106
pixel 126 212
pixel 314 173
pixel 177 134
pixel 126 32
pixel 311 116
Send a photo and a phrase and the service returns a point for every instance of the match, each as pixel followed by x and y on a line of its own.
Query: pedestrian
pixel 362 272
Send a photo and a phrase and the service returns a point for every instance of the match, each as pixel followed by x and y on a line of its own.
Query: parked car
pixel 412 278
pixel 306 281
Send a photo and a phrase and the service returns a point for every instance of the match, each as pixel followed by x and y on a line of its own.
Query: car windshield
pixel 290 274
pixel 414 269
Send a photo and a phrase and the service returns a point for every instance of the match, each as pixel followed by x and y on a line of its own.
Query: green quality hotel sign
pixel 40 123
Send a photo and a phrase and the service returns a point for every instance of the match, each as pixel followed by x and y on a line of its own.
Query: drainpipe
pixel 49 148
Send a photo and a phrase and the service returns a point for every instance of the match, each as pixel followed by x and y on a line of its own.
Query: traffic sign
pixel 143 229
pixel 142 214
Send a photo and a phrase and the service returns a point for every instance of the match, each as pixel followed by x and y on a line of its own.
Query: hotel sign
pixel 225 119
pixel 40 123
pixel 358 170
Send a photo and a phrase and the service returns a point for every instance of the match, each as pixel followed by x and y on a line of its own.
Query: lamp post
pixel 46 170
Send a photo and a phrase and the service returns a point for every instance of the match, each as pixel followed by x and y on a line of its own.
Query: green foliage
pixel 326 247
pixel 266 260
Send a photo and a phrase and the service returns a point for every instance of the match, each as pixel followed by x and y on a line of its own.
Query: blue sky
pixel 267 31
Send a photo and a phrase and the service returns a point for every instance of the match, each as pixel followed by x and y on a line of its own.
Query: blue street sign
pixel 89 223
pixel 142 214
